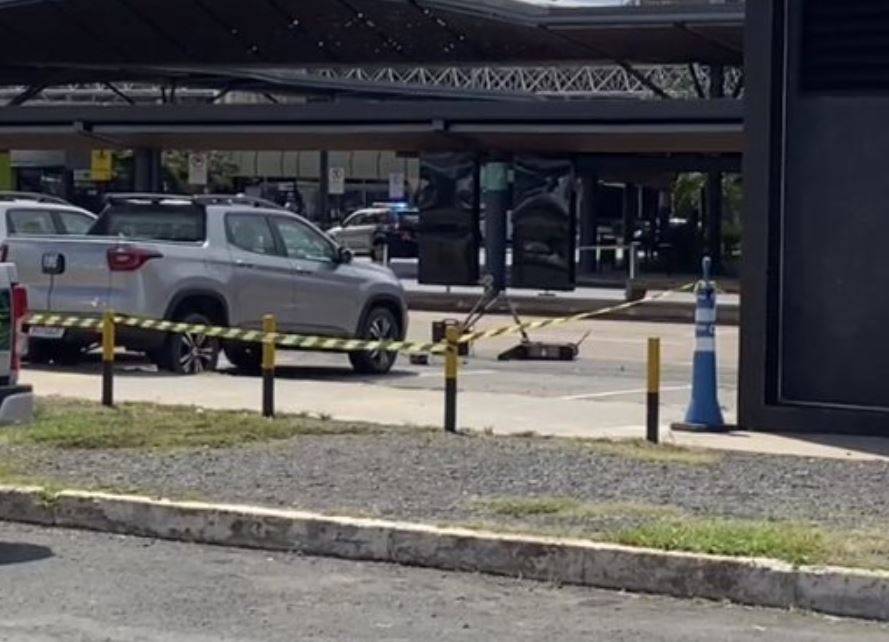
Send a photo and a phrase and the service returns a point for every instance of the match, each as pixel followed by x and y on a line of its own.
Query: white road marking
pixel 639 342
pixel 461 373
pixel 621 393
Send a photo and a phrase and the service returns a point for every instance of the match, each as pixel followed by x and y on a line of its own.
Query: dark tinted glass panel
pixel 448 199
pixel 543 224
pixel 845 46
pixel 161 224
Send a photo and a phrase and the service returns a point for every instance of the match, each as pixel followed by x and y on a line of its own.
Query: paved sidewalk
pixel 497 412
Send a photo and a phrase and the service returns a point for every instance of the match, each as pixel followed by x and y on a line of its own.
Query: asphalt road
pixel 79 586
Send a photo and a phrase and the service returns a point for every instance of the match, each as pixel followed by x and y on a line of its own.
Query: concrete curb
pixel 844 592
pixel 660 311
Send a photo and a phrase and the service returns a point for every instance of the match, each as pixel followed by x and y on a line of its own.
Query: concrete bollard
pixel 704 411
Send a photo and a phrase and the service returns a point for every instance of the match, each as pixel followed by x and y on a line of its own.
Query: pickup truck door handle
pixel 243 264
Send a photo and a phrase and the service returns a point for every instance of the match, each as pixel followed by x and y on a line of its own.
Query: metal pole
pixel 108 341
pixel 323 214
pixel 654 390
pixel 589 261
pixel 496 200
pixel 452 335
pixel 269 326
pixel 634 261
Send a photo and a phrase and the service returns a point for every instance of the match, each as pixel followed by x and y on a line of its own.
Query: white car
pixel 41 215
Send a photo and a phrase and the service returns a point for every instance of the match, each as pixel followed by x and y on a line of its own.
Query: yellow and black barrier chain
pixel 518 328
pixel 270 338
pixel 238 334
pixel 306 342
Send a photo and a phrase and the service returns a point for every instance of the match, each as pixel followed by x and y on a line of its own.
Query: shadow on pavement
pixel 18 553
pixel 877 446
pixel 125 365
pixel 135 365
pixel 324 373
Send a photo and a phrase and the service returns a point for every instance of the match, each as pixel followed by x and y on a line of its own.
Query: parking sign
pixel 337 181
pixel 197 169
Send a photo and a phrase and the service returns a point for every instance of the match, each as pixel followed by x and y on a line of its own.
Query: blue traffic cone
pixel 704 410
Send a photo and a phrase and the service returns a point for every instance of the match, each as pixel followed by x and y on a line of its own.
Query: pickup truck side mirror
pixel 344 255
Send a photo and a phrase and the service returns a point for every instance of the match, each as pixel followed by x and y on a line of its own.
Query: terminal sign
pixel 101 165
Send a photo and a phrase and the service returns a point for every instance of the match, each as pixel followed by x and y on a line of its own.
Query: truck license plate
pixel 40 332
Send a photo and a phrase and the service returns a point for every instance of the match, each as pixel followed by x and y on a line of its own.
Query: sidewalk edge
pixel 768 583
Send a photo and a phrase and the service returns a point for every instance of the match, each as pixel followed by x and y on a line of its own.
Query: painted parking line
pixel 620 393
pixel 463 373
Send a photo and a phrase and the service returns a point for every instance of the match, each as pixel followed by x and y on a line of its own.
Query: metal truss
pixel 98 94
pixel 554 82
pixel 587 81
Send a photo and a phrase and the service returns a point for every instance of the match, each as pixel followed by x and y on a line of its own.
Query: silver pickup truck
pixel 205 261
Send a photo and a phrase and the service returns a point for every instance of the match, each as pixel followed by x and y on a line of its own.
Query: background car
pixel 40 215
pixel 393 225
pixel 205 261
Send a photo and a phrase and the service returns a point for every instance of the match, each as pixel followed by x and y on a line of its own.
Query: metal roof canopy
pixel 605 126
pixel 67 37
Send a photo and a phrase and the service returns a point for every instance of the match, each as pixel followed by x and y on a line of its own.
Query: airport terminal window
pixel 251 233
pixel 302 242
pixel 30 222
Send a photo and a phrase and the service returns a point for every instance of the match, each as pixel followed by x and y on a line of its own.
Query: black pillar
pixel 714 219
pixel 589 186
pixel 323 214
pixel 714 184
pixel 147 170
pixel 496 199
pixel 631 211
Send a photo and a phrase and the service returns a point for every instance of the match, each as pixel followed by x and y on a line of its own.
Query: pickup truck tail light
pixel 19 342
pixel 130 259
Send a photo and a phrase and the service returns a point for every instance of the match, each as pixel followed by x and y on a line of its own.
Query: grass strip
pixel 71 424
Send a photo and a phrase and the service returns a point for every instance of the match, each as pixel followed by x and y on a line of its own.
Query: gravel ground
pixel 435 478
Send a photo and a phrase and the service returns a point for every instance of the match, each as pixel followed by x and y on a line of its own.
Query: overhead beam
pixel 614 126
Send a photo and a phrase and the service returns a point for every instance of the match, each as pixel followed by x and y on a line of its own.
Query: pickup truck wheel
pixel 246 357
pixel 190 353
pixel 379 324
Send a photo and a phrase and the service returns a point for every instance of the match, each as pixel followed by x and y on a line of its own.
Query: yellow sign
pixel 6 181
pixel 101 165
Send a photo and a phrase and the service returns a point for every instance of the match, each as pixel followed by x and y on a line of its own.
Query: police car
pixel 389 225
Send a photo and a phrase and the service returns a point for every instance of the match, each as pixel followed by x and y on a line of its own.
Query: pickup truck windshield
pixel 186 224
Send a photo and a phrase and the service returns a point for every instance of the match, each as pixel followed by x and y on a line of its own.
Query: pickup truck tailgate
pixel 68 274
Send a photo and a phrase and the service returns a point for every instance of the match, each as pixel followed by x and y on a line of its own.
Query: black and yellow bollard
pixel 452 361
pixel 269 326
pixel 108 342
pixel 653 400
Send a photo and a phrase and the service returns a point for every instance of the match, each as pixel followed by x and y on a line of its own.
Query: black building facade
pixel 814 345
